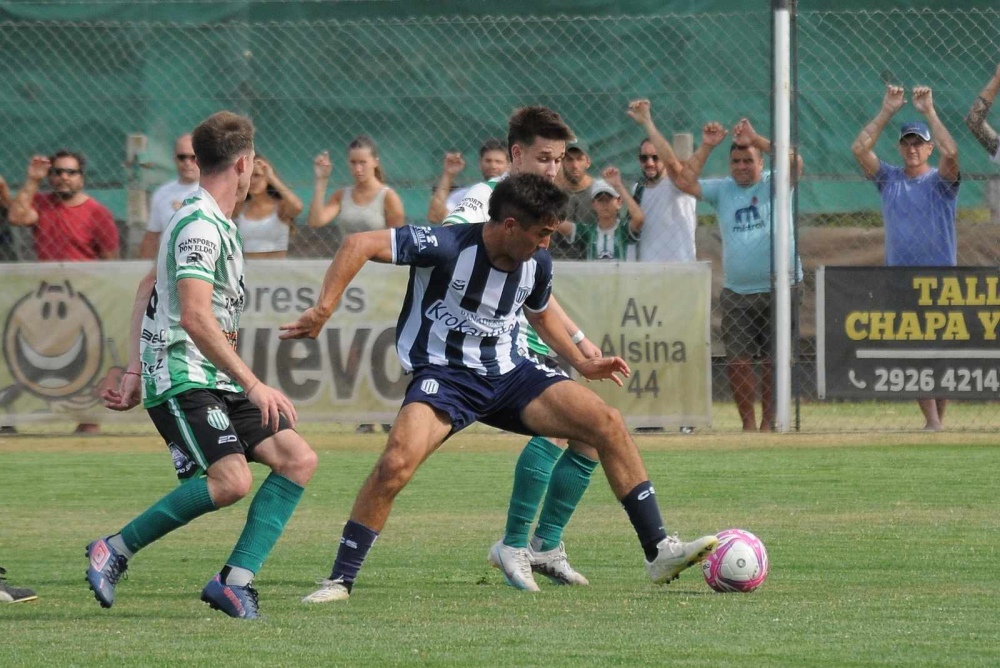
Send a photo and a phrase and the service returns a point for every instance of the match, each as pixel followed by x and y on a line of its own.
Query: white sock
pixel 119 545
pixel 238 577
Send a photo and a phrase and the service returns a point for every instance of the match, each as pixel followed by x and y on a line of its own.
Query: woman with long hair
pixel 369 204
pixel 266 218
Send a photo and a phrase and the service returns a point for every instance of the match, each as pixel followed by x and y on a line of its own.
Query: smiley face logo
pixel 53 341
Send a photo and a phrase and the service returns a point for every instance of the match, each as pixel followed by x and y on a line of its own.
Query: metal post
pixel 784 271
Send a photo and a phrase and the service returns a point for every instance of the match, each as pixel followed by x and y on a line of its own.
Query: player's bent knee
pixel 300 464
pixel 394 470
pixel 230 487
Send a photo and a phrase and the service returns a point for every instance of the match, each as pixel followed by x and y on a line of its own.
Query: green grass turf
pixel 884 551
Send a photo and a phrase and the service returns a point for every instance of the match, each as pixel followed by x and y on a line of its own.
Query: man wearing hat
pixel 610 237
pixel 918 201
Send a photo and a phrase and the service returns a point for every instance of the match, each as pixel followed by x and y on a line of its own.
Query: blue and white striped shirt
pixel 460 311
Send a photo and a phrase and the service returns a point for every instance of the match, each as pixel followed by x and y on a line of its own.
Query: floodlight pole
pixel 784 271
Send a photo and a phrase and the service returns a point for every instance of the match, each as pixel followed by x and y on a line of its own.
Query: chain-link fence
pixel 423 87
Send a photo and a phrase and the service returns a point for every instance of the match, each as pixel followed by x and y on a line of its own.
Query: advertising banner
pixel 908 332
pixel 66 329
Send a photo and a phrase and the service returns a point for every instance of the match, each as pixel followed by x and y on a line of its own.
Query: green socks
pixel 270 509
pixel 190 500
pixel 531 477
pixel 570 479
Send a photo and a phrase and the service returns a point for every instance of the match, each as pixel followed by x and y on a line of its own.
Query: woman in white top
pixel 265 219
pixel 367 205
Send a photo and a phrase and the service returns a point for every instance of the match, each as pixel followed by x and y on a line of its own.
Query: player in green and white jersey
pixel 208 406
pixel 536 140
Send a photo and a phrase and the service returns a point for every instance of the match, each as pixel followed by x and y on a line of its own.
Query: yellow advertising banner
pixel 66 329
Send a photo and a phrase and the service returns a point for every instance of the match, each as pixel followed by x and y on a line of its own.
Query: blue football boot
pixel 239 602
pixel 107 566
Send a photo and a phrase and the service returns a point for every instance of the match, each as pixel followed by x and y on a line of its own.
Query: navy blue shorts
pixel 467 397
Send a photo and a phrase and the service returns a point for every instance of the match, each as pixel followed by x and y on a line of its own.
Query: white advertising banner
pixel 66 329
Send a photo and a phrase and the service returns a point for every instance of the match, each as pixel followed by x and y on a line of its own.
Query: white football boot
pixel 673 556
pixel 553 564
pixel 515 565
pixel 331 590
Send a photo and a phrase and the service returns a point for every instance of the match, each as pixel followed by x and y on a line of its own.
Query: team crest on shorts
pixel 217 418
pixel 429 386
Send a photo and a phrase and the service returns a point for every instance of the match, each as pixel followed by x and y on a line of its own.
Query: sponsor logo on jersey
pixel 156 337
pixel 423 237
pixel 194 258
pixel 198 245
pixel 470 203
pixel 429 386
pixel 217 418
pixel 468 323
pixel 458 285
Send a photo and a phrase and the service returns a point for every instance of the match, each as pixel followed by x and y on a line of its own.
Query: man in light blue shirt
pixel 742 205
pixel 918 201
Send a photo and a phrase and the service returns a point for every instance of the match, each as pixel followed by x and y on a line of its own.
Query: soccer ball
pixel 739 564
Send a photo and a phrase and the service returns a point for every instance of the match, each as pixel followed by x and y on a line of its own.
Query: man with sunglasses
pixel 668 233
pixel 69 225
pixel 919 202
pixel 169 197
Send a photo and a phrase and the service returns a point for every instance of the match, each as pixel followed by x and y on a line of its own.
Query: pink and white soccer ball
pixel 739 564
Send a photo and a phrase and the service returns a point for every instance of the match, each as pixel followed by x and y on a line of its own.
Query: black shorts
pixel 202 426
pixel 747 321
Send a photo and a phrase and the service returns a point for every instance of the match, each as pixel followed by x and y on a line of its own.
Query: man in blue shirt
pixel 918 201
pixel 457 335
pixel 742 203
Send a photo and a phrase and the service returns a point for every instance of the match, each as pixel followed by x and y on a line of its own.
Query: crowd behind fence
pixel 425 87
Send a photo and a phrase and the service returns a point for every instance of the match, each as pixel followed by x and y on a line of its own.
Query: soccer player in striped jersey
pixel 548 473
pixel 457 334
pixel 213 412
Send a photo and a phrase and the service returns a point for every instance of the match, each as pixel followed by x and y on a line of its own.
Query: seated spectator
pixel 266 218
pixel 367 205
pixel 610 236
pixel 493 162
pixel 169 196
pixel 69 225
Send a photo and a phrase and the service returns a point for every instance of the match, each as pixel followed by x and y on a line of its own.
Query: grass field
pixel 884 551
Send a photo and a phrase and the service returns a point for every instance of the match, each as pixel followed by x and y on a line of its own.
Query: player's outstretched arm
pixel 354 252
pixel 976 118
pixel 129 392
pixel 553 332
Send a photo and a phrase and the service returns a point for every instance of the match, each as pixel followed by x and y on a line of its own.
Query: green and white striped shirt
pixel 200 242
